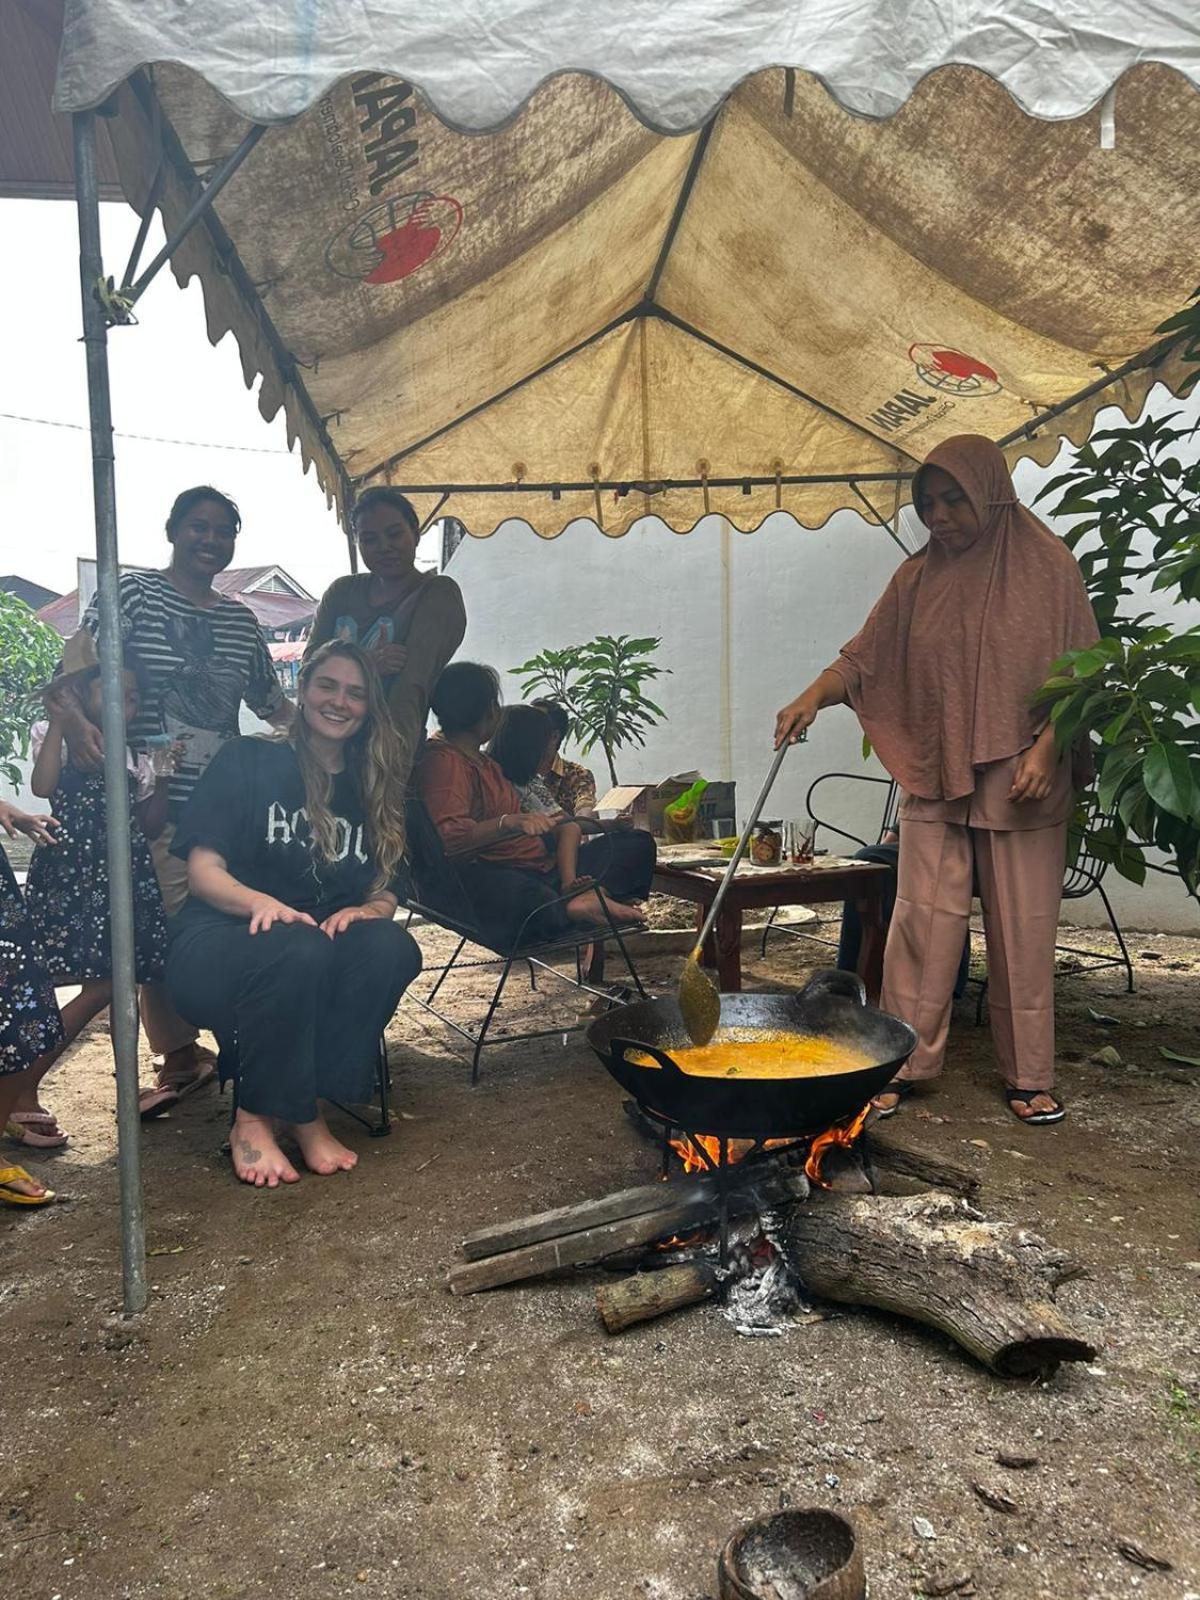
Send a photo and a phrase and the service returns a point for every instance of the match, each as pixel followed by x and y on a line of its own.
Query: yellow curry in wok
pixel 761 1053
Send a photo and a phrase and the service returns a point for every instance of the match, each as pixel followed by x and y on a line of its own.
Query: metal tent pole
pixel 123 1009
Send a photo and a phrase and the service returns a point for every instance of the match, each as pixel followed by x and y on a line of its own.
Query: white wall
pixel 794 597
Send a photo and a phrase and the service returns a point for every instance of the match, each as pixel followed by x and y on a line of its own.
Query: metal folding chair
pixel 439 897
pixel 378 1128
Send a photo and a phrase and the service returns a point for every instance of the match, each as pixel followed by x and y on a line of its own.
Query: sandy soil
pixel 304 1409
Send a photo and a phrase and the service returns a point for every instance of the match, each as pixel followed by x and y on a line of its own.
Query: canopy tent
pixel 574 315
pixel 676 264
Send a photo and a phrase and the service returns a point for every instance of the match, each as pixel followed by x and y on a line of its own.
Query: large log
pixel 989 1285
pixel 652 1294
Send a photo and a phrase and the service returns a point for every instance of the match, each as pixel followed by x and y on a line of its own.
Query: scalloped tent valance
pixel 477 62
pixel 580 314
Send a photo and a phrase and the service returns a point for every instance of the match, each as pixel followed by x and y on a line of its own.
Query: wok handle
pixel 846 984
pixel 621 1047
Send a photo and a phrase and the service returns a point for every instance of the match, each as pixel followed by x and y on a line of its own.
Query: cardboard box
pixel 646 802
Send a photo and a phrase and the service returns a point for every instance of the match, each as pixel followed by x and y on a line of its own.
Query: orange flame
pixel 689 1147
pixel 842 1134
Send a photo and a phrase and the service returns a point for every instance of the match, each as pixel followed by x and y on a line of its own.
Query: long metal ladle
pixel 699 1000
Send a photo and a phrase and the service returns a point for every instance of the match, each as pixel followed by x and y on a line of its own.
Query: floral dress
pixel 29 1020
pixel 67 890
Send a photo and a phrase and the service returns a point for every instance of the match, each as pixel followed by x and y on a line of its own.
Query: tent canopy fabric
pixel 477 62
pixel 578 315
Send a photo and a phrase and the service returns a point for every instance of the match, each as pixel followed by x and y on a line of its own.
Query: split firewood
pixel 646 1295
pixel 760 1187
pixel 885 1149
pixel 562 1220
pixel 989 1285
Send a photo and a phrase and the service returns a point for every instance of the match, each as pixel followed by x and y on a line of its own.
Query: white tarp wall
pixel 794 596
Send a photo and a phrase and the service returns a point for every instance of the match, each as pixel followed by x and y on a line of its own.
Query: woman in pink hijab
pixel 943 676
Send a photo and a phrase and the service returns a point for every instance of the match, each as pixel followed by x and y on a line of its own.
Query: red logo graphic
pixel 953 371
pixel 396 238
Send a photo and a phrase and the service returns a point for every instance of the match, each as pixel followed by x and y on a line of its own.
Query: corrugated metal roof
pixel 272 610
pixel 35 145
pixel 33 594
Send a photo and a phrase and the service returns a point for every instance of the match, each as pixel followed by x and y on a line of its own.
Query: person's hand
pixel 268 911
pixel 85 742
pixel 341 920
pixel 389 658
pixel 1035 772
pixel 59 700
pixel 530 823
pixel 795 718
pixel 39 828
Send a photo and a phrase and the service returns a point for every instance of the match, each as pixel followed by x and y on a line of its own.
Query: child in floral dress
pixel 67 892
pixel 29 1020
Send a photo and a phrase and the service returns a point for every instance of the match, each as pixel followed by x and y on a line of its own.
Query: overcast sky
pixel 167 380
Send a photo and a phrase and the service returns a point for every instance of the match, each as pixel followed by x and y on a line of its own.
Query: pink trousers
pixel 1020 884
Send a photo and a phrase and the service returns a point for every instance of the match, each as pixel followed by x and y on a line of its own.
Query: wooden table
pixel 862 882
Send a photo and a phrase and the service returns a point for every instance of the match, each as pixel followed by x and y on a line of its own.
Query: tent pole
pixel 123 1008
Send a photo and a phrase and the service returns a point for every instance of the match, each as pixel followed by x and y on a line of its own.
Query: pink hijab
pixel 943 671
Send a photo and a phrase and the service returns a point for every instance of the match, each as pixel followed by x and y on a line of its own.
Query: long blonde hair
pixel 376 760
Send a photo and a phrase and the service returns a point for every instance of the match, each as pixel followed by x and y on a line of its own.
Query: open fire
pixel 700 1152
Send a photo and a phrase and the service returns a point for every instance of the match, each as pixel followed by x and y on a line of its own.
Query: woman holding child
pixel 409 622
pixel 287 948
pixel 519 859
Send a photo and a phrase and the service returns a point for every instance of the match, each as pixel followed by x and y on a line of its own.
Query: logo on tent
pixel 396 238
pixel 953 371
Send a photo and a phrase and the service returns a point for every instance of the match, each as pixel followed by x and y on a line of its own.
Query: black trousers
pixel 622 863
pixel 304 1011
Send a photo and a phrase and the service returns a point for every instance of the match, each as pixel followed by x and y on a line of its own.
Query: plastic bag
pixel 680 817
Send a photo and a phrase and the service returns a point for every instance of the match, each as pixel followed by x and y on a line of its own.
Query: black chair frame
pixel 534 952
pixel 379 1127
pixel 887 822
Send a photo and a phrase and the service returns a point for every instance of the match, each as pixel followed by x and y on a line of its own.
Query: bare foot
pixel 587 908
pixel 321 1151
pixel 257 1158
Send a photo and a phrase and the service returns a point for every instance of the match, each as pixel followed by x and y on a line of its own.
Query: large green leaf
pixel 1169 780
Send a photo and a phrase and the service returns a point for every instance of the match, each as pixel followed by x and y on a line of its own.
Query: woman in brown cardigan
pixel 943 676
pixel 409 622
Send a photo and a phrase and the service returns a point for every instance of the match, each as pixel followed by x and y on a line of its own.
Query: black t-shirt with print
pixel 249 807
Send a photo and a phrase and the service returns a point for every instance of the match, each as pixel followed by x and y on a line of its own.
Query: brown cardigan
pixel 429 623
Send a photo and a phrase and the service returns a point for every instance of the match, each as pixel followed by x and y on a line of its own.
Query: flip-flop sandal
pixel 22 1128
pixel 13 1197
pixel 153 1102
pixel 1036 1119
pixel 901 1088
pixel 187 1083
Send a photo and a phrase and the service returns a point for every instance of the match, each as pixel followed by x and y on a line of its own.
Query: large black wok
pixel 831 1006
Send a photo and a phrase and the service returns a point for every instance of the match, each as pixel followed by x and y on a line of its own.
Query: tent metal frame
pixel 103 307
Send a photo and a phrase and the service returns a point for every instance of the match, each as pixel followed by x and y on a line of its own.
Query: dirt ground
pixel 305 1410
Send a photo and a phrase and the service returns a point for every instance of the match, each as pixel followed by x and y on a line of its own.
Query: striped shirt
pixel 200 663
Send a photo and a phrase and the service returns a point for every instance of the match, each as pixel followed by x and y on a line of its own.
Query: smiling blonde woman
pixel 287 948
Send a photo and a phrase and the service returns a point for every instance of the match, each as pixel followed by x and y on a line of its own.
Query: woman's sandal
pixel 901 1088
pixel 1026 1097
pixel 13 1197
pixel 38 1130
pixel 153 1102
